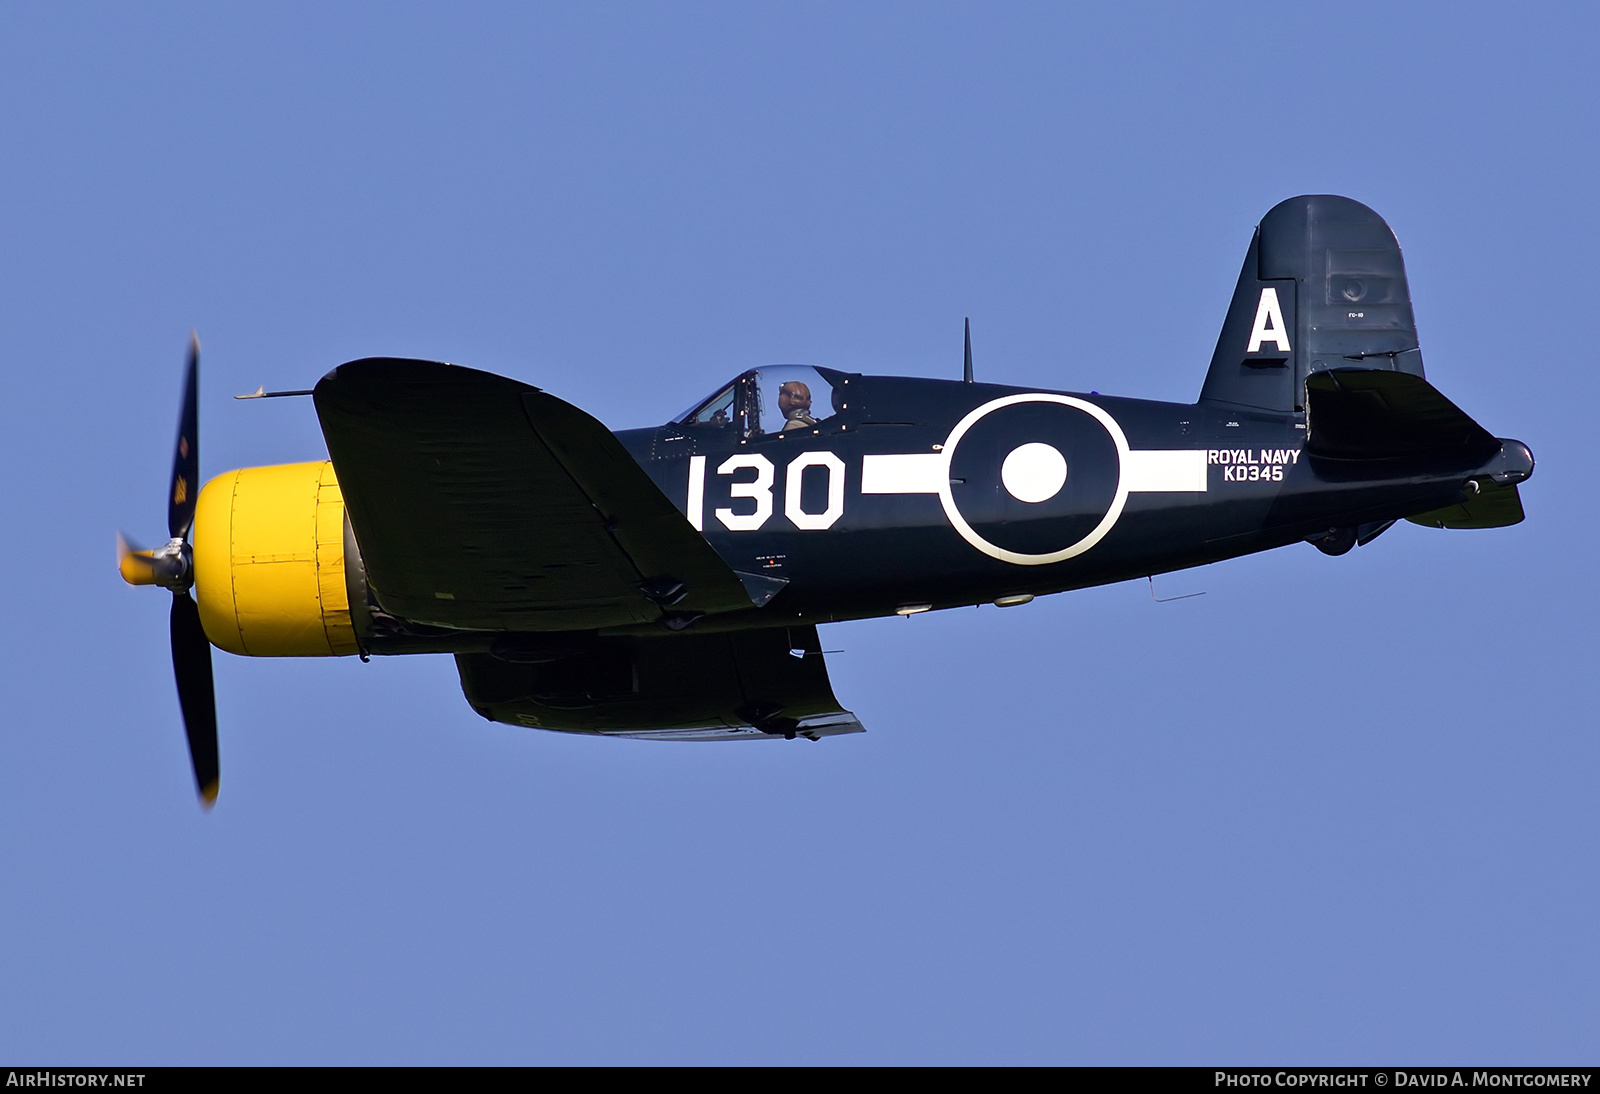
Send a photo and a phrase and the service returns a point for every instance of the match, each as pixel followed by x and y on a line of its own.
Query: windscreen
pixel 716 412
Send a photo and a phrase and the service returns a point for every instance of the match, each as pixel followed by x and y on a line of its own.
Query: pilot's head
pixel 794 397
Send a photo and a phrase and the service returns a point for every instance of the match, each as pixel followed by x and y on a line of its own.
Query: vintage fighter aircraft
pixel 667 583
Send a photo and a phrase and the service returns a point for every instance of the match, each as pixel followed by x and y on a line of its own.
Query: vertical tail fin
pixel 1323 286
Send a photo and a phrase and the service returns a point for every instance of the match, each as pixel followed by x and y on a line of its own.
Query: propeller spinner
pixel 172 568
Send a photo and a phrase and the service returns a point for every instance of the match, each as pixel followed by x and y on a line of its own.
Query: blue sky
pixel 1335 811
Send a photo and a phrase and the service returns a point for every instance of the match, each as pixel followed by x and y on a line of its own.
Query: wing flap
pixel 644 523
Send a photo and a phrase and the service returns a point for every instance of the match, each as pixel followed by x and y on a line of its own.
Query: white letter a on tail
pixel 1269 324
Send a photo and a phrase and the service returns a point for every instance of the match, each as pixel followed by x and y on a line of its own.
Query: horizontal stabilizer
pixel 1494 506
pixel 1378 414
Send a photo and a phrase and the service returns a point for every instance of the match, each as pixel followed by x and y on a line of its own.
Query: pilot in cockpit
pixel 794 403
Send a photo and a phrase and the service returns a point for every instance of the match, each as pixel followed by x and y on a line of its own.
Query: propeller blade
pixel 186 458
pixel 191 664
pixel 137 567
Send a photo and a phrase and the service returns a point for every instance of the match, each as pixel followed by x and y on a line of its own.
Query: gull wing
pixel 483 503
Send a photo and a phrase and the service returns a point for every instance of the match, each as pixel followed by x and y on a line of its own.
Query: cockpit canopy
pixel 775 399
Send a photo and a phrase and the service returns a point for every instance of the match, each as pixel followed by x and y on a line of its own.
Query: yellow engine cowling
pixel 269 562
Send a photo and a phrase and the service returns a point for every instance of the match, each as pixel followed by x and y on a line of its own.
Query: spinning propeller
pixel 172 568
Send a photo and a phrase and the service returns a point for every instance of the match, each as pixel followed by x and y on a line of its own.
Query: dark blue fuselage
pixel 1185 485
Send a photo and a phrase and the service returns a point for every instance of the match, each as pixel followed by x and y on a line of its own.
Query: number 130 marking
pixel 759 490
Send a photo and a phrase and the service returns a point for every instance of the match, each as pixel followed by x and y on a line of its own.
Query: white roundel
pixel 1034 472
pixel 952 511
